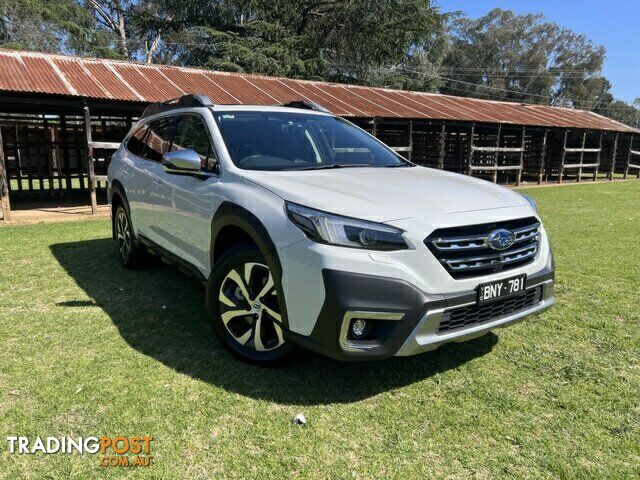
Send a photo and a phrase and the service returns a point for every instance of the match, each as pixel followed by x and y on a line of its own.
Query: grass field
pixel 87 348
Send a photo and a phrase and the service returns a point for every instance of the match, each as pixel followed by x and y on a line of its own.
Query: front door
pixel 184 204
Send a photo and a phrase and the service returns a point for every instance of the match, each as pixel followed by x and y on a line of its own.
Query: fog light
pixel 358 327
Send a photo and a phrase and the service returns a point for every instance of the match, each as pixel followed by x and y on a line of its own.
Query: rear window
pixel 159 138
pixel 135 144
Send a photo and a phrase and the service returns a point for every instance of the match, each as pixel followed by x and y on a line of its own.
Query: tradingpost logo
pixel 118 451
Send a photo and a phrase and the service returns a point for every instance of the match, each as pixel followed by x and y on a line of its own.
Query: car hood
pixel 386 194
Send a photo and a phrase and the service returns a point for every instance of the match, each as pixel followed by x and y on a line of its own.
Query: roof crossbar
pixel 306 105
pixel 193 100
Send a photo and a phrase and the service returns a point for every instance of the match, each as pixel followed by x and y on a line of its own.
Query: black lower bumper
pixel 346 293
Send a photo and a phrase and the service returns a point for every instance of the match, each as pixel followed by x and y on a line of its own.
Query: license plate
pixel 507 287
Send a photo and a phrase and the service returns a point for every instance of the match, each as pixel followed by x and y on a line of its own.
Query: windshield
pixel 297 141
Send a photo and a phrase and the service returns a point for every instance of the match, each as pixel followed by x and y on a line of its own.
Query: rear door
pixel 157 142
pixel 185 203
pixel 136 177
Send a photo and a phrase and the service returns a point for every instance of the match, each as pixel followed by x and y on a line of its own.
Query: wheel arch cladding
pixel 232 216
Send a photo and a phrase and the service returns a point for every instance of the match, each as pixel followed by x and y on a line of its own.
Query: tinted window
pixel 192 134
pixel 158 140
pixel 294 141
pixel 135 144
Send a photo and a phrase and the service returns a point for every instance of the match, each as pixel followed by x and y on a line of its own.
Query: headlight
pixel 332 229
pixel 531 201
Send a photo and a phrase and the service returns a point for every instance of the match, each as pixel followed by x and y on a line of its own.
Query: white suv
pixel 309 231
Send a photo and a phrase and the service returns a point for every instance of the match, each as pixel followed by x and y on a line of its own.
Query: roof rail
pixel 193 100
pixel 306 105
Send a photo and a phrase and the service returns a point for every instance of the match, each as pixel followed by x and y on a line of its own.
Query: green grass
pixel 87 348
pixel 74 184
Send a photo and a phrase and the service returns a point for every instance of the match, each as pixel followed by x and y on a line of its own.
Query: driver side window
pixel 193 134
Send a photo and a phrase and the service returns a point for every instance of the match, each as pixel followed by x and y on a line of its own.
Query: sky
pixel 611 23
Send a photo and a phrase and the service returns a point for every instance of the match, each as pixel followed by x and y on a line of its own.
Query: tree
pixel 111 15
pixel 62 26
pixel 342 40
pixel 524 58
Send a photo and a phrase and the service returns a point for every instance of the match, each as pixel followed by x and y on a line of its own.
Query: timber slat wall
pixel 46 155
pixel 508 154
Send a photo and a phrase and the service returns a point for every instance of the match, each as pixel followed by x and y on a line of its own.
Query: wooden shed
pixel 61 117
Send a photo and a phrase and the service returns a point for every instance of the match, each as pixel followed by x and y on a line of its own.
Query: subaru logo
pixel 501 239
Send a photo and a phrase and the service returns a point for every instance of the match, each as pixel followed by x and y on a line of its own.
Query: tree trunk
pixel 122 33
pixel 151 49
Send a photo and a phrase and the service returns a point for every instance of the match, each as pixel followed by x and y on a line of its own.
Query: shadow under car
pixel 161 313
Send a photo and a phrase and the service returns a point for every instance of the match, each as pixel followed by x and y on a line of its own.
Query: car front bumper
pixel 406 320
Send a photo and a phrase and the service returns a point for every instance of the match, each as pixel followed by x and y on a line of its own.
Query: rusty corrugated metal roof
pixel 130 81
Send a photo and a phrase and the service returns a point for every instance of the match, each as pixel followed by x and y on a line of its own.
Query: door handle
pixel 158 183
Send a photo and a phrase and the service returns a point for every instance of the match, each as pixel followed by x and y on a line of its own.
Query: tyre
pixel 244 306
pixel 130 255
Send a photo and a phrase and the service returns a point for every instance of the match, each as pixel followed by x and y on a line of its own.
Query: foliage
pixel 523 58
pixel 42 25
pixel 348 41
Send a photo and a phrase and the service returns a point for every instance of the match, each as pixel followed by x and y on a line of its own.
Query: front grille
pixel 463 317
pixel 464 251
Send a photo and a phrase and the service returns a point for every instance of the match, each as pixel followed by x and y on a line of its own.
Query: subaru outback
pixel 308 231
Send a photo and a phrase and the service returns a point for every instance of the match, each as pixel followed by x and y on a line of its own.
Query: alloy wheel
pixel 123 234
pixel 249 307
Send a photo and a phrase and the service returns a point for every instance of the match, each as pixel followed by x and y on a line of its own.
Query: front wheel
pixel 244 305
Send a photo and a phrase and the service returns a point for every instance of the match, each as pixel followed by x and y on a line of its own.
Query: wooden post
pixel 27 157
pixel 595 173
pixel 564 154
pixel 470 152
pixel 441 146
pixel 63 139
pixel 626 167
pixel 543 155
pixel 584 142
pixel 615 154
pixel 374 128
pixel 17 157
pixel 90 171
pixel 48 155
pixel 497 155
pixel 77 134
pixel 41 151
pixel 522 142
pixel 5 204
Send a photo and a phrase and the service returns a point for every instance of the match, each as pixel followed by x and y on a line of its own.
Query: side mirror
pixel 181 161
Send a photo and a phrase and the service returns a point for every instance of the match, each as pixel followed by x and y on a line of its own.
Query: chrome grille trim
pixel 470 255
pixel 487 260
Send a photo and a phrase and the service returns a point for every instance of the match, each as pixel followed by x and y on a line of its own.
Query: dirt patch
pixel 54 214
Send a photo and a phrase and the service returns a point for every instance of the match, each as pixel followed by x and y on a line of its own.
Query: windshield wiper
pixel 398 165
pixel 334 165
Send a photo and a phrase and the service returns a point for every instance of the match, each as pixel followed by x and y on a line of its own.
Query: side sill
pixel 171 258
